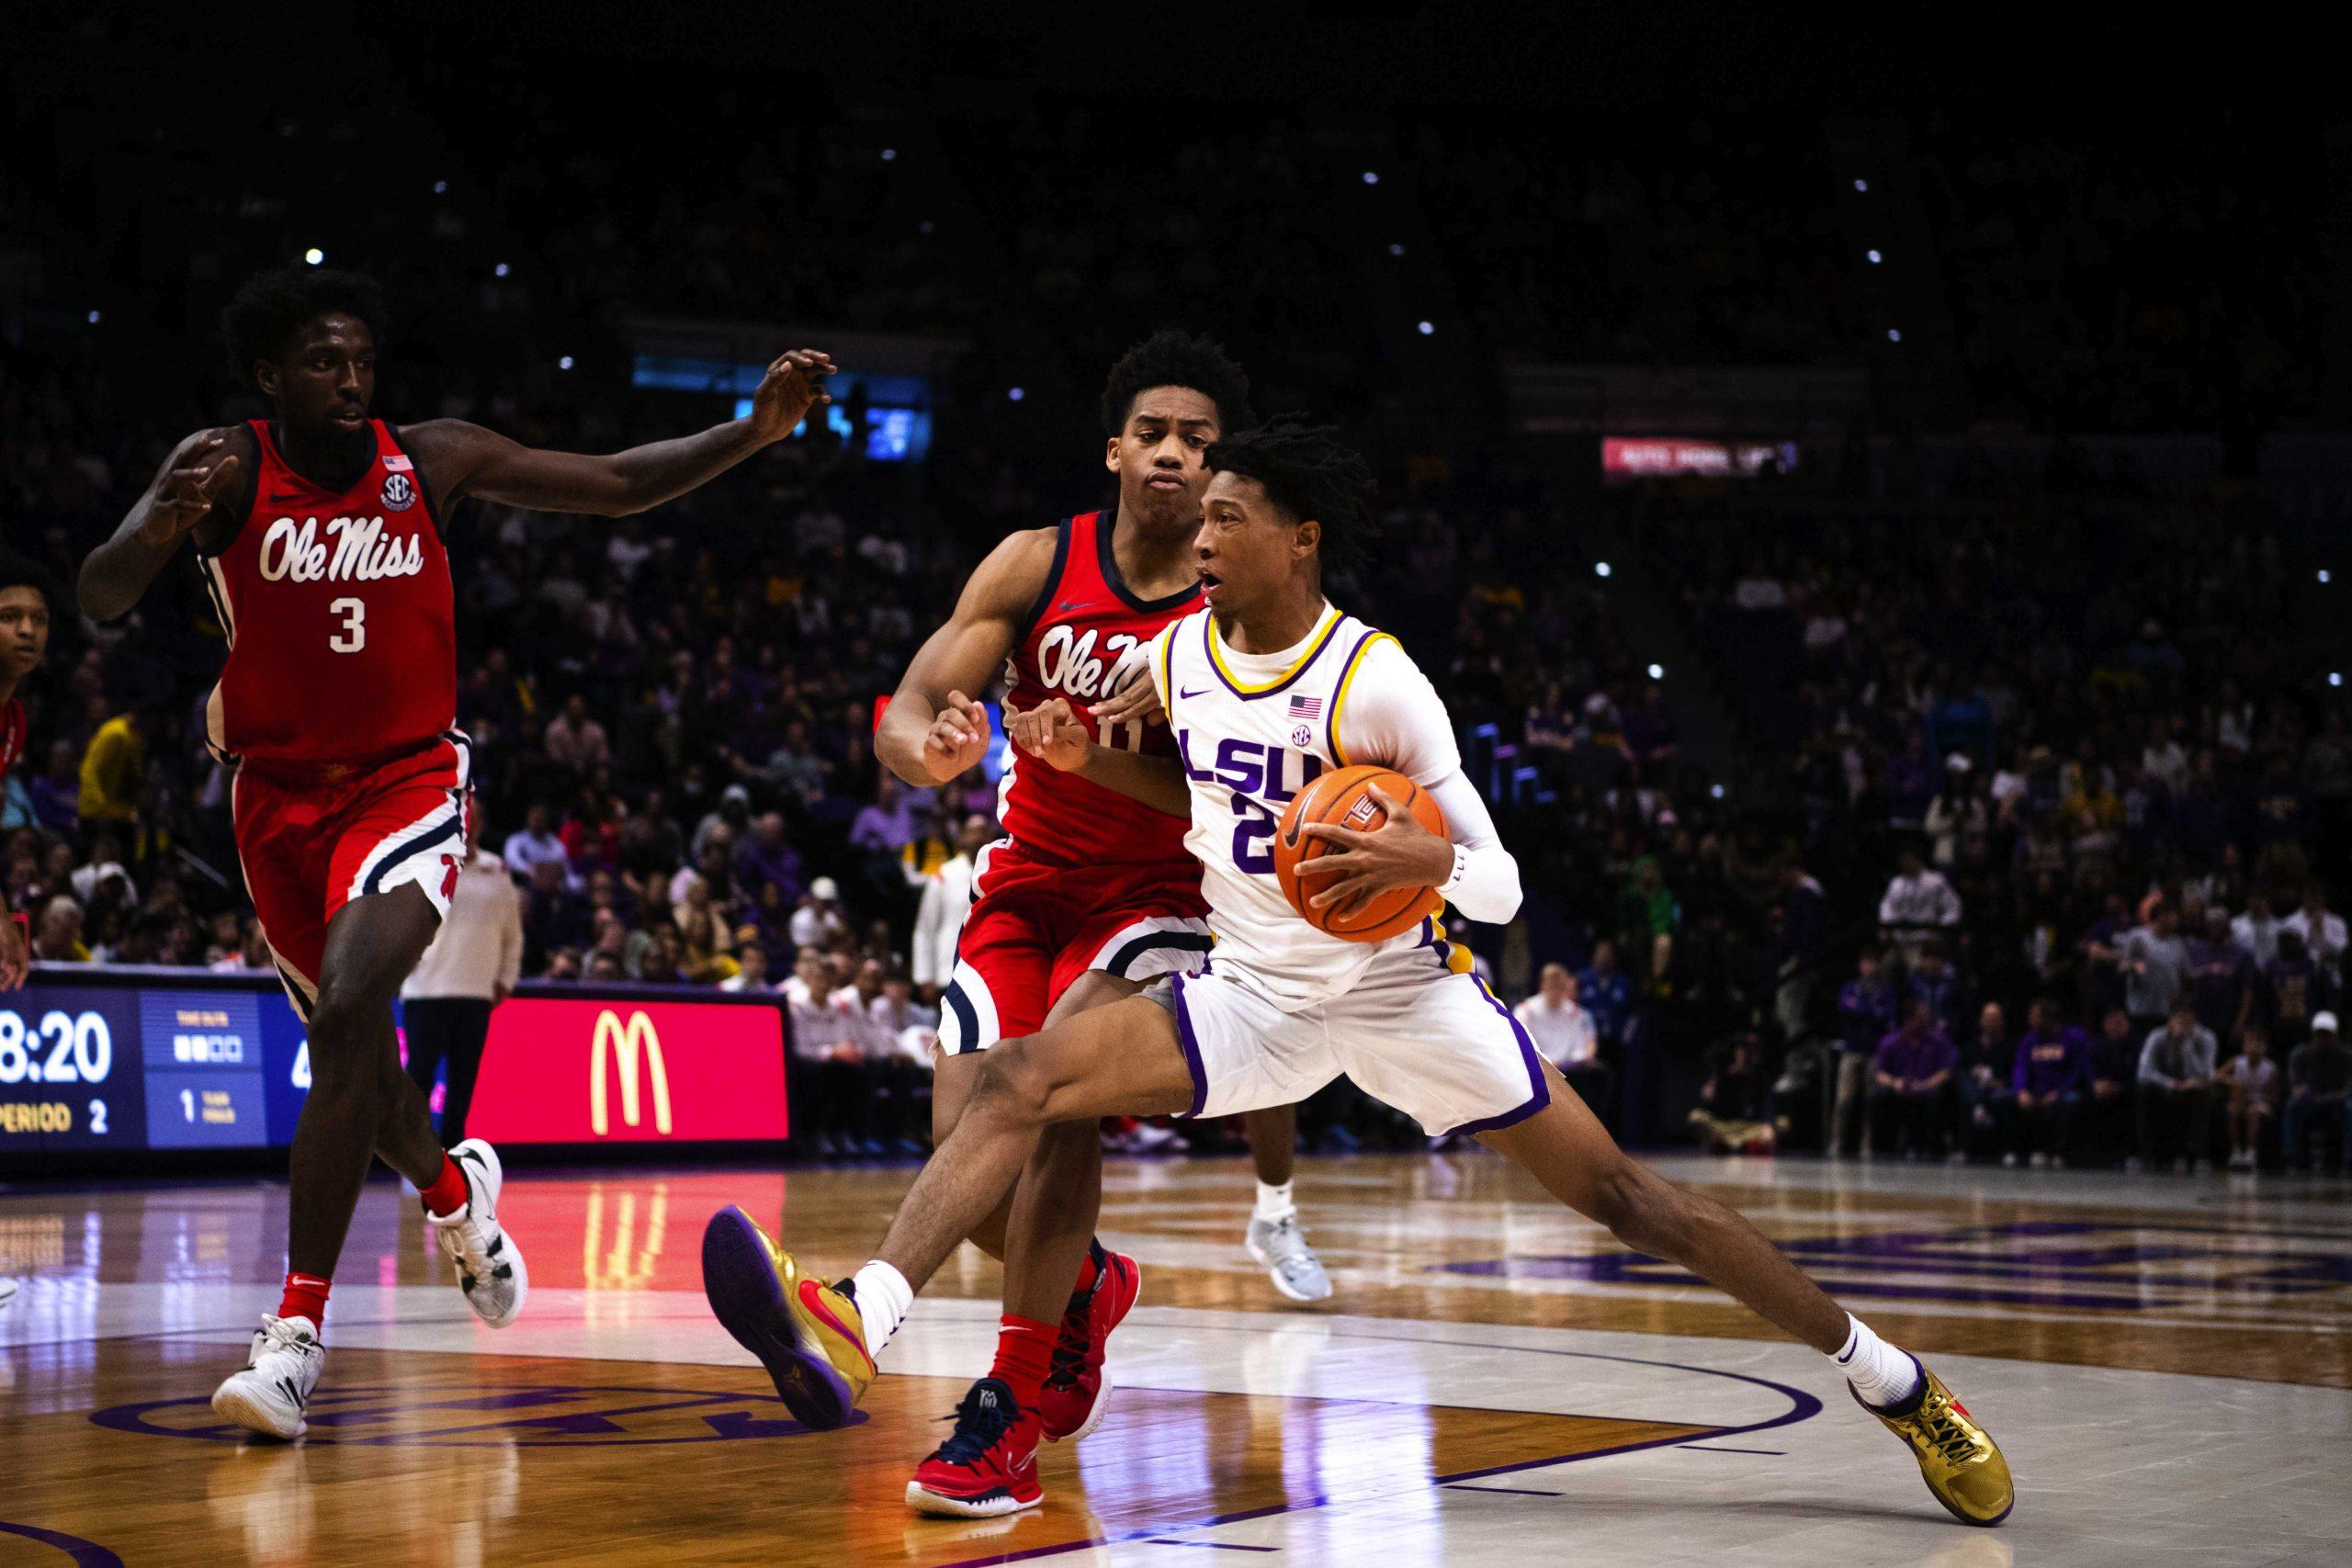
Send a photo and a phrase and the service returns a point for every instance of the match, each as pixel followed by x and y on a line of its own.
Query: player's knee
pixel 1640 1208
pixel 1013 1086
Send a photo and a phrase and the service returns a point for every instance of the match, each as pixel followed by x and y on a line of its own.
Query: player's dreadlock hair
pixel 1308 471
pixel 272 307
pixel 22 571
pixel 1172 358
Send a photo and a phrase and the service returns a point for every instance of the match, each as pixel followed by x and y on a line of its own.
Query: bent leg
pixel 1059 1196
pixel 360 1100
pixel 1118 1060
pixel 1567 1149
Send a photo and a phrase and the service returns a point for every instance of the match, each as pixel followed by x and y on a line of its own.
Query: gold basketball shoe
pixel 1958 1459
pixel 807 1333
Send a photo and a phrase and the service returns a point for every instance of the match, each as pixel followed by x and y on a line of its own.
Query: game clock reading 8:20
pixel 70 1070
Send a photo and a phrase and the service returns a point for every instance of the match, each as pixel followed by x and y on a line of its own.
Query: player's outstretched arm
pixel 934 729
pixel 464 459
pixel 1053 732
pixel 185 493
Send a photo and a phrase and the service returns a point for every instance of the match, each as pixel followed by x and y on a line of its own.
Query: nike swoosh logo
pixel 1066 604
pixel 1187 696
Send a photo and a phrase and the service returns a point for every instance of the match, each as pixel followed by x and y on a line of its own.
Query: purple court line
pixel 1504 1491
pixel 1210 1545
pixel 1802 1407
pixel 1694 1448
pixel 84 1553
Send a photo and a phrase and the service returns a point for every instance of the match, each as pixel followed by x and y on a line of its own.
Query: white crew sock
pixel 884 1299
pixel 1883 1375
pixel 1275 1204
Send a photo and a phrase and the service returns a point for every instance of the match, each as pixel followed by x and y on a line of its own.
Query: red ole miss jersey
pixel 343 641
pixel 1085 631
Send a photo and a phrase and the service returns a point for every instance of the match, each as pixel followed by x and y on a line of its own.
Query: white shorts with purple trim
pixel 1411 1033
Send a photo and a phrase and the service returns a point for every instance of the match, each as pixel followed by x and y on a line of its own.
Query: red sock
pixel 1025 1348
pixel 1088 1270
pixel 306 1296
pixel 448 1194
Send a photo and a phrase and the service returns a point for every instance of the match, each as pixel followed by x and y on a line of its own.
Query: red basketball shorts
pixel 1034 927
pixel 312 837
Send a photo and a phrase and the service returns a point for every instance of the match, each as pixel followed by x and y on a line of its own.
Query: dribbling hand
pixel 958 737
pixel 1400 853
pixel 187 493
pixel 793 385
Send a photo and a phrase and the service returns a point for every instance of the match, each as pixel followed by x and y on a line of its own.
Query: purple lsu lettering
pixel 1263 778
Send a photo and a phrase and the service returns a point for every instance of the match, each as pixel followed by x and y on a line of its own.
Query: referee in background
pixel 470 967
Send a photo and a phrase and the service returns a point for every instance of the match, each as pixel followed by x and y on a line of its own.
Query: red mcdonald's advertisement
pixel 558 1071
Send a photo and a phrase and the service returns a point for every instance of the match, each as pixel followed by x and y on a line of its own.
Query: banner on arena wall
pixel 91 1060
pixel 1626 457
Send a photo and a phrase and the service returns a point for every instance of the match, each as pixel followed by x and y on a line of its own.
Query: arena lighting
pixel 1658 672
pixel 1875 258
pixel 499 271
pixel 2336 677
pixel 1893 334
pixel 889 154
pixel 93 318
pixel 1716 790
pixel 314 255
pixel 2322 572
pixel 1396 250
pixel 1369 178
pixel 1862 185
pixel 1600 568
pixel 1427 328
pixel 1016 394
pixel 440 187
pixel 564 364
pixel 925 227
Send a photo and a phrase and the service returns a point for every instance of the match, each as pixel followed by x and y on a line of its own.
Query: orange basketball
pixel 1343 798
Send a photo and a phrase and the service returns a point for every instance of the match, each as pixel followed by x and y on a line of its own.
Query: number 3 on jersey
pixel 353 634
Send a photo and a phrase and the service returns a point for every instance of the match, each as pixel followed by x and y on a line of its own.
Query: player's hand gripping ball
pixel 1344 800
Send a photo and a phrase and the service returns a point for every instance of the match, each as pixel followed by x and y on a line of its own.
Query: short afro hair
pixel 22 571
pixel 1308 471
pixel 273 306
pixel 1172 358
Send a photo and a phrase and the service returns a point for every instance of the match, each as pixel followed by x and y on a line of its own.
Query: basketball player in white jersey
pixel 1265 686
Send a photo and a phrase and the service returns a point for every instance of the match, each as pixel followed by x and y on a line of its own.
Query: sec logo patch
pixel 400 493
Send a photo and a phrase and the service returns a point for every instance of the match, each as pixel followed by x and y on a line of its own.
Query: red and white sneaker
pixel 1077 1393
pixel 988 1467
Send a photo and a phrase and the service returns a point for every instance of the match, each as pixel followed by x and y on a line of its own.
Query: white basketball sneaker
pixel 1280 1247
pixel 489 1265
pixel 269 1396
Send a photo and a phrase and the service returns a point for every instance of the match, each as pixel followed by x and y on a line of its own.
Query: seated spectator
pixel 104 865
pixel 535 844
pixel 750 970
pixel 2220 976
pixel 2052 1075
pixel 575 739
pixel 2319 1077
pixel 702 942
pixel 1987 1101
pixel 1917 904
pixel 1734 1114
pixel 2256 1091
pixel 939 919
pixel 1564 1036
pixel 914 1026
pixel 2110 1114
pixel 1865 1016
pixel 819 919
pixel 2176 1091
pixel 1911 1086
pixel 1933 981
pixel 555 919
pixel 1606 993
pixel 2323 932
pixel 827 1042
pixel 57 937
pixel 767 872
pixel 2294 990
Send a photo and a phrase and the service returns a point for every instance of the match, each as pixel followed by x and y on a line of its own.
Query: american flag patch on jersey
pixel 396 464
pixel 1305 707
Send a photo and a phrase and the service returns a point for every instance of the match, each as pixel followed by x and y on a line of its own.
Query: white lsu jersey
pixel 1253 731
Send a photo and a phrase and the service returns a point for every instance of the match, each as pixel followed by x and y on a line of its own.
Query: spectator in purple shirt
pixel 2052 1075
pixel 767 872
pixel 1911 1086
pixel 2221 976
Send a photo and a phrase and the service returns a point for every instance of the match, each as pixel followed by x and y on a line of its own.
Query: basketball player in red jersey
pixel 319 534
pixel 24 642
pixel 1089 897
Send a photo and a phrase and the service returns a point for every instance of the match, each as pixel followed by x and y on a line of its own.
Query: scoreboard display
pixel 156 1061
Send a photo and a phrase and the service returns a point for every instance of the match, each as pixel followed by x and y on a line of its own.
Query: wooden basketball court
pixel 2164 1360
